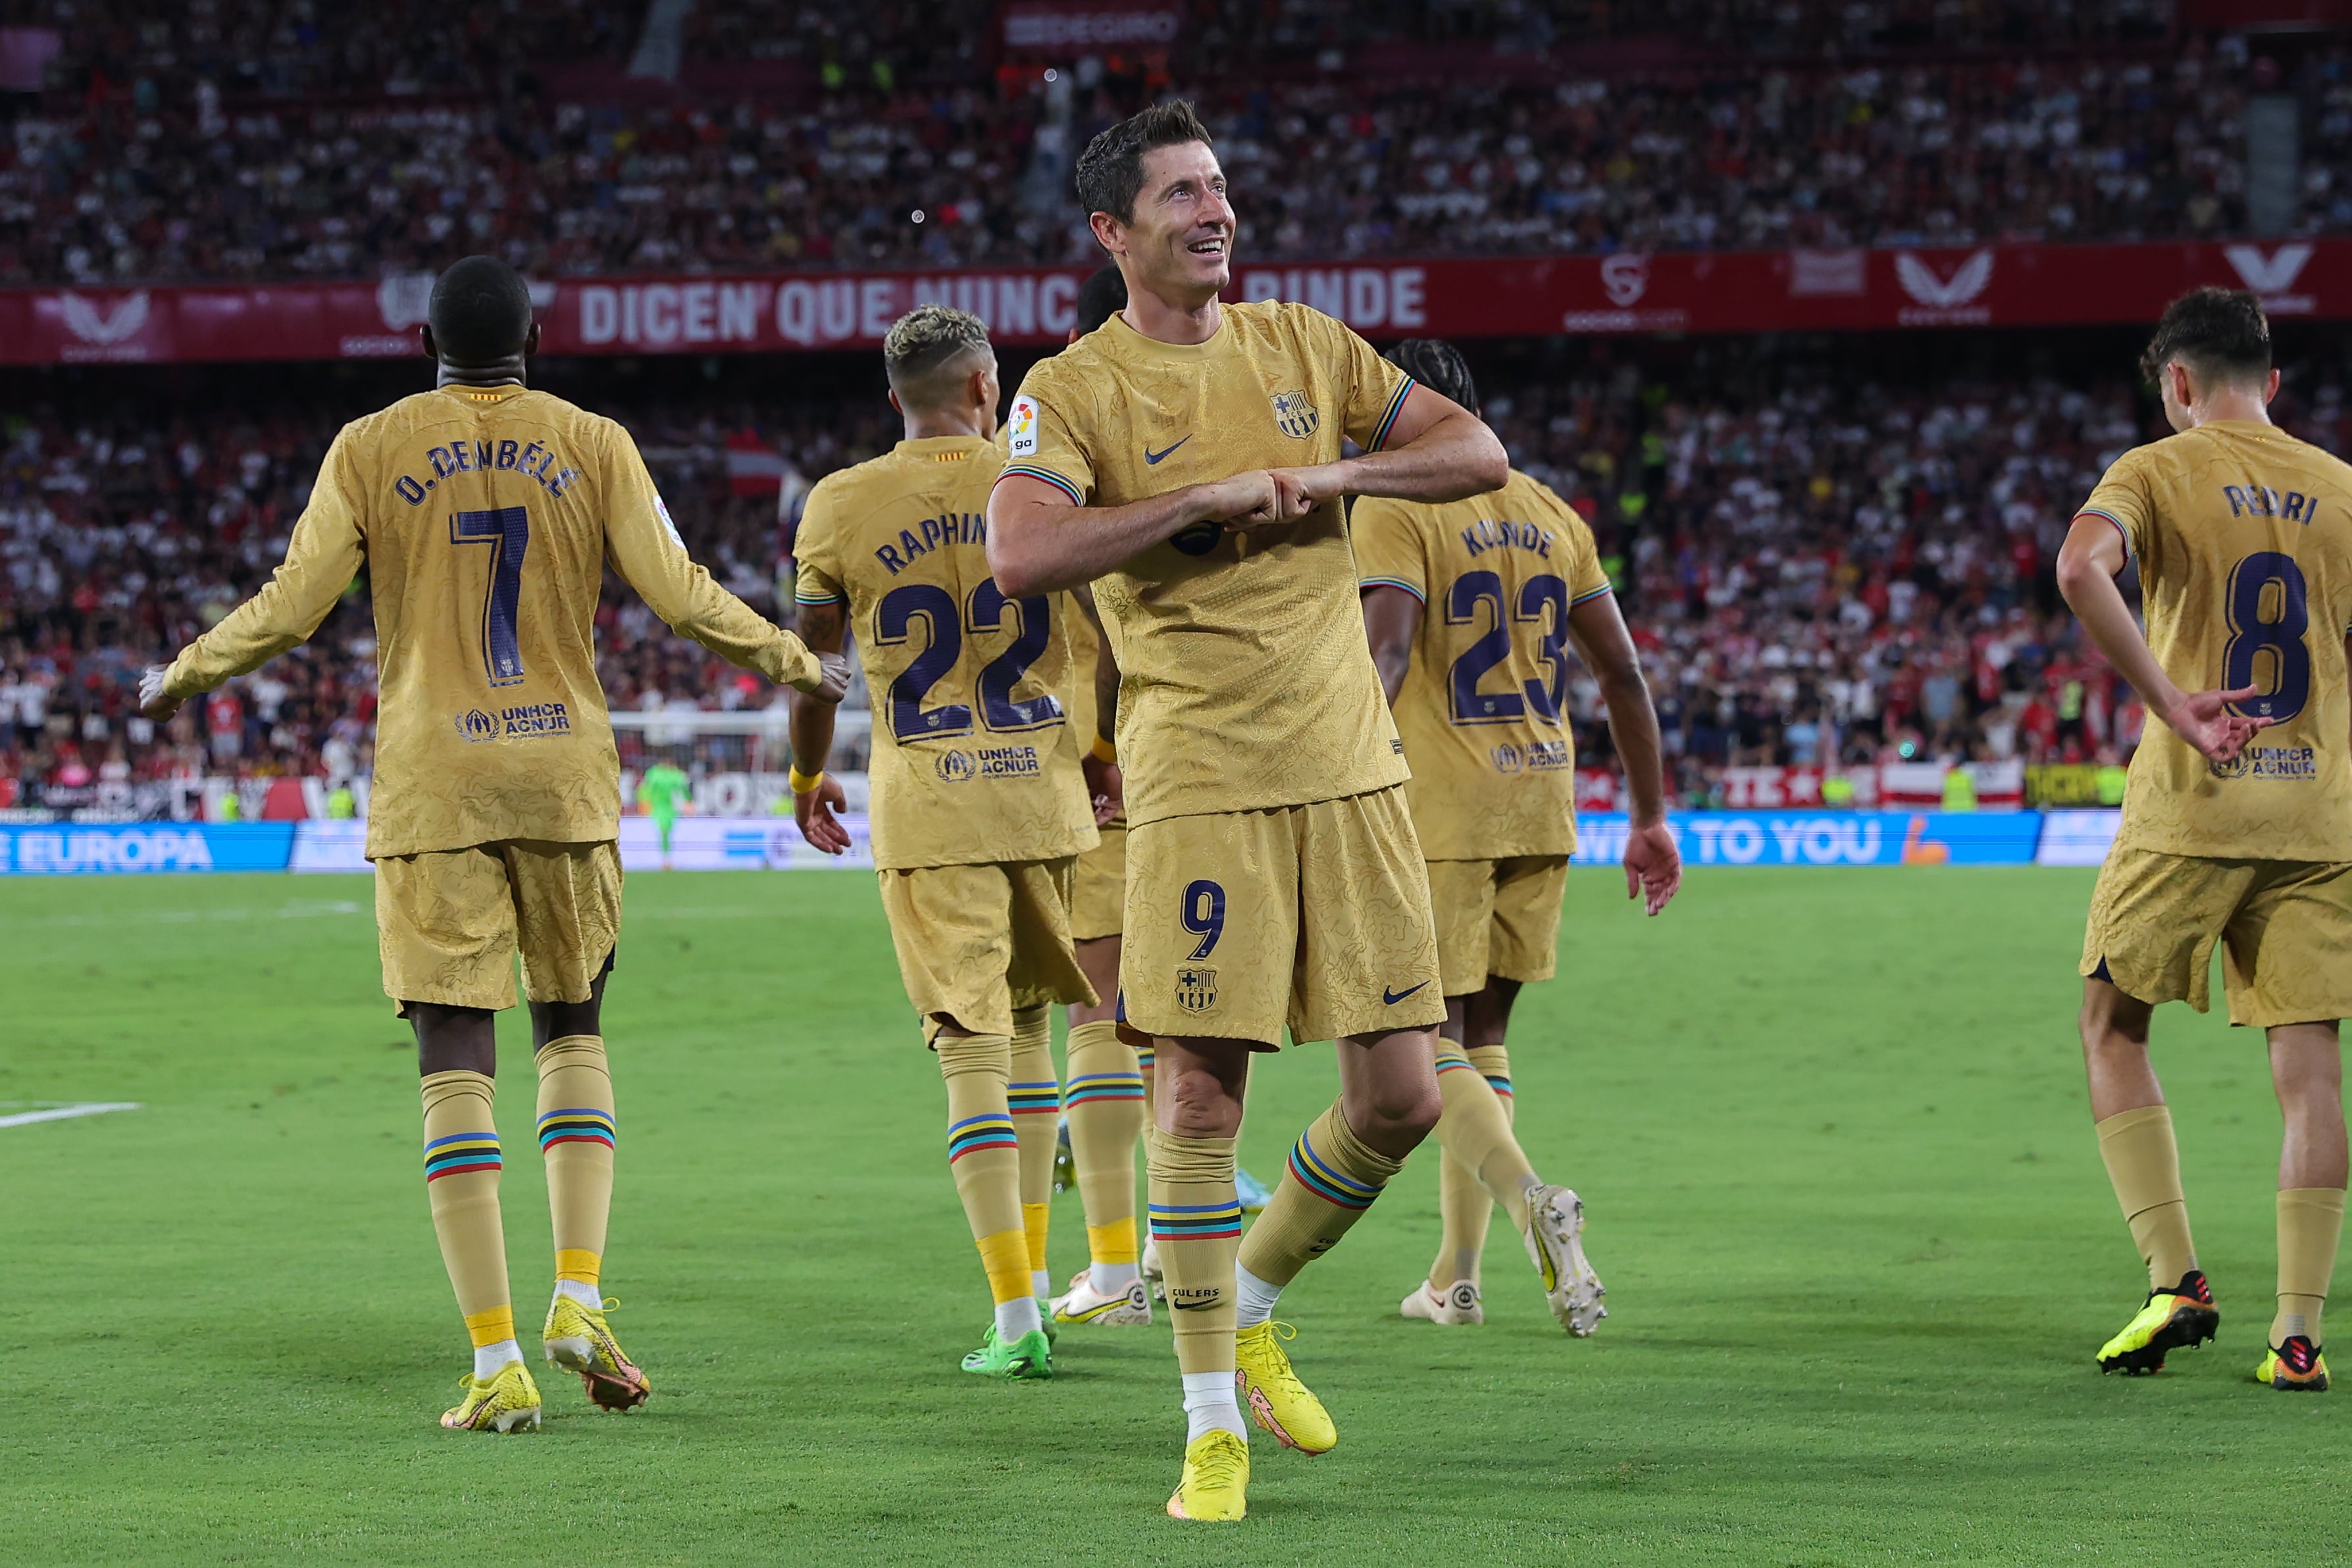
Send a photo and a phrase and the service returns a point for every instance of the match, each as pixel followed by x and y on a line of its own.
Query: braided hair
pixel 1439 366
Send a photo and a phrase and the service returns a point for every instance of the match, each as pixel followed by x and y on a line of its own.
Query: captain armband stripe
pixel 1031 471
pixel 1413 589
pixel 1396 404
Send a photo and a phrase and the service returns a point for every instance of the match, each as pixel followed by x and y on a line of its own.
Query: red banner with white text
pixel 1742 291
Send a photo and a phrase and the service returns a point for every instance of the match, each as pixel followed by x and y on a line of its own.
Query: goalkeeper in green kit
pixel 662 792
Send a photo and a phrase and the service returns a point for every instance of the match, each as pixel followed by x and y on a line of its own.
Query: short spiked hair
pixel 928 343
pixel 1109 174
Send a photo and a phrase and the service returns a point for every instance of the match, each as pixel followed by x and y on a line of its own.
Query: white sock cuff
pixel 1254 1298
pixel 1017 1317
pixel 1209 1405
pixel 1112 1278
pixel 589 1296
pixel 489 1358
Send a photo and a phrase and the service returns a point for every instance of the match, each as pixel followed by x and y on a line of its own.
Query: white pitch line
pixel 63 1113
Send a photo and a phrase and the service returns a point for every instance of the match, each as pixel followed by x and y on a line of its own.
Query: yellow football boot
pixel 501 1404
pixel 1216 1487
pixel 579 1340
pixel 2295 1367
pixel 1270 1391
pixel 2181 1315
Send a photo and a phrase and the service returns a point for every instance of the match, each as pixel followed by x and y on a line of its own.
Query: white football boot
pixel 1082 1303
pixel 1456 1306
pixel 1554 1239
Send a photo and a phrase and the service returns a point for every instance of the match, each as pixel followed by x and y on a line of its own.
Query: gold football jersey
pixel 975 760
pixel 2243 537
pixel 1484 707
pixel 1244 680
pixel 486 517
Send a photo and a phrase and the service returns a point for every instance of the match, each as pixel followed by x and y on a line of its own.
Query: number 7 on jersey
pixel 507 531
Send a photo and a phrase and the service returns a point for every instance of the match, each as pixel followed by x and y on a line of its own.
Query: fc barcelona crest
pixel 1296 414
pixel 1196 989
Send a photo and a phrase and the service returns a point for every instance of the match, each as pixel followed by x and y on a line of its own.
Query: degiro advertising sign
pixel 1827 838
pixel 79 850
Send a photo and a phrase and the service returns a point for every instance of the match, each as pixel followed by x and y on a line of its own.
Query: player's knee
pixel 1199 1105
pixel 1402 1112
pixel 2110 1019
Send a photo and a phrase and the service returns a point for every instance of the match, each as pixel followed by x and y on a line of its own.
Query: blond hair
pixel 926 340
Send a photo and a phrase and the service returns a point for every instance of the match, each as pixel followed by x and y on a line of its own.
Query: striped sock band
pixel 1452 1061
pixel 584 1124
pixel 1034 1099
pixel 1101 1088
pixel 989 1130
pixel 1196 1222
pixel 1317 1174
pixel 461 1153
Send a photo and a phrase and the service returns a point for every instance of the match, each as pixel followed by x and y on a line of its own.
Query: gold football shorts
pixel 1315 916
pixel 450 923
pixel 979 942
pixel 1099 892
pixel 2285 926
pixel 1497 917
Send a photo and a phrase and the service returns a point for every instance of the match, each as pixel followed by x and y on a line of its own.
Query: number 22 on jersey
pixel 894 622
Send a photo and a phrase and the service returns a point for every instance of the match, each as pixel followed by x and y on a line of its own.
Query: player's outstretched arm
pixel 1653 864
pixel 817 797
pixel 1042 541
pixel 1391 622
pixel 323 555
pixel 2087 567
pixel 650 557
pixel 1436 451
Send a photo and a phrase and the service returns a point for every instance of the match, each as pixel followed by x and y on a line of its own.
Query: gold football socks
pixel 1104 1103
pixel 2144 1164
pixel 461 1183
pixel 1034 1096
pixel 1330 1180
pixel 2310 1218
pixel 1196 1218
pixel 1474 1130
pixel 575 1140
pixel 1462 1205
pixel 984 1156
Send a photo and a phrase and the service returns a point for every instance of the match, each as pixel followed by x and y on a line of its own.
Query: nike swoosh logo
pixel 1392 1000
pixel 1191 1306
pixel 1153 457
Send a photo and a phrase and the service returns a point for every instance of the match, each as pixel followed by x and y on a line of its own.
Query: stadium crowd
pixel 182 149
pixel 1825 561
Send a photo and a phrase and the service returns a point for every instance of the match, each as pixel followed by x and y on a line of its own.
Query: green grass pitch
pixel 1830 1124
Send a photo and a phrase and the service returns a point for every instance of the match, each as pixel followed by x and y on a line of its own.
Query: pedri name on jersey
pixel 1488 533
pixel 955 529
pixel 532 459
pixel 2261 501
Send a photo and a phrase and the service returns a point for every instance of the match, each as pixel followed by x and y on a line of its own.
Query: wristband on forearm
pixel 1103 750
pixel 805 783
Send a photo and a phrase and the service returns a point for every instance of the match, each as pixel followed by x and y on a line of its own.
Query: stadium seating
pixel 331 160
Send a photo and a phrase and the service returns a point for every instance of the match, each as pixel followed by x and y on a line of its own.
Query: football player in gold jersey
pixel 979 806
pixel 1482 709
pixel 2237 822
pixel 484 515
pixel 1186 460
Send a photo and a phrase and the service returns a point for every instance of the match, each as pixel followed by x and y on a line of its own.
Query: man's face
pixel 1182 239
